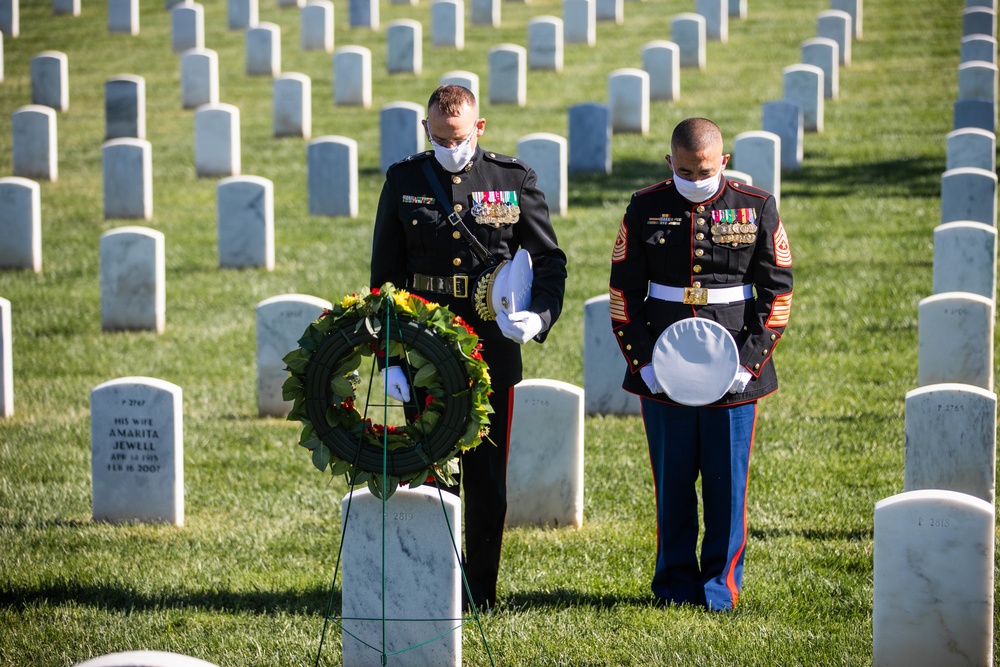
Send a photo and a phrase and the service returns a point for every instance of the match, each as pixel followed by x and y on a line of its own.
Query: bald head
pixel 696 135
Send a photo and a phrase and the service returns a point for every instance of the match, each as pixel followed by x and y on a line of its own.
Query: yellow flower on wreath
pixel 349 301
pixel 402 299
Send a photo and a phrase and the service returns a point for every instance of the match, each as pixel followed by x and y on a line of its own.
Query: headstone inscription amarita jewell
pixel 137 451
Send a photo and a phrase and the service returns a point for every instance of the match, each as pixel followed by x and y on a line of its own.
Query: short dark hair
pixel 695 134
pixel 450 99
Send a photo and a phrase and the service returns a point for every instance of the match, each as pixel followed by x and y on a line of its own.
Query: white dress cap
pixel 695 361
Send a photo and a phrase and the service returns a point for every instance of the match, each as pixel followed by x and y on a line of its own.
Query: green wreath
pixel 443 355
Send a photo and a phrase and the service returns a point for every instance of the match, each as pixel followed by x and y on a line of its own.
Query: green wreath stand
pixel 318 381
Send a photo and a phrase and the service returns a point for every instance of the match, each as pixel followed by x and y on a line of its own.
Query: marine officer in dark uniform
pixel 700 246
pixel 416 246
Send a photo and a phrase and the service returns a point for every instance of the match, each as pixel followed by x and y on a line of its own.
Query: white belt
pixel 700 296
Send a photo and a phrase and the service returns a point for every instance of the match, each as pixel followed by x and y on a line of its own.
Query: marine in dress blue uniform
pixel 416 247
pixel 725 258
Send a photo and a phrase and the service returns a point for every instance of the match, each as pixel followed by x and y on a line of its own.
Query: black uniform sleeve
pixel 388 261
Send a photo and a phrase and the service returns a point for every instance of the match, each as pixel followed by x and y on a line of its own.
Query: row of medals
pixel 734 233
pixel 496 213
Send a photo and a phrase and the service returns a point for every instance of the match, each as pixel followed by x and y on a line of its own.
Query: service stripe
pixel 617 306
pixel 621 244
pixel 782 251
pixel 780 310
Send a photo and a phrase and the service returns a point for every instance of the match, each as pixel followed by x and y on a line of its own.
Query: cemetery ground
pixel 247 579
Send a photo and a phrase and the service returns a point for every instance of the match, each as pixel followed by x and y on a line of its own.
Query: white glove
pixel 521 326
pixel 646 372
pixel 396 386
pixel 740 383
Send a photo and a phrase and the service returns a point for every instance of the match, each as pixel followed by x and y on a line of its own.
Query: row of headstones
pixel 938 609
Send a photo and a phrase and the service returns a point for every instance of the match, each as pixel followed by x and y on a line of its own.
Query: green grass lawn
pixel 247 579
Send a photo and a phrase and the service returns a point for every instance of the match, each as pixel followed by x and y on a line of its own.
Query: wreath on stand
pixel 443 355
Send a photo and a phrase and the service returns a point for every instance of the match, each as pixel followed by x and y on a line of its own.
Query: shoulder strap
pixel 455 219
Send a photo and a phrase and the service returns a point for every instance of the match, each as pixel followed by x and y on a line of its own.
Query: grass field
pixel 246 580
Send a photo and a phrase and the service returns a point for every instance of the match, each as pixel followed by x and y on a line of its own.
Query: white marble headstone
pixel 466 79
pixel 263 49
pixel 133 279
pixel 687 31
pixel 662 61
pixel 6 361
pixel 738 9
pixel 968 193
pixel 784 118
pixel 401 132
pixel 604 366
pixel 281 321
pixel 217 140
pixel 973 112
pixel 316 26
pixel 971 147
pixel 589 140
pixel 628 100
pixel 545 43
pixel 125 107
pixel 803 85
pixel 579 22
pixel 242 14
pixel 716 13
pixel 979 20
pixel 854 8
pixel 955 339
pixel 50 80
pixel 123 17
pixel 10 18
pixel 66 7
pixel 291 105
pixel 545 462
pixel 245 209
pixel 1 57
pixel 333 176
pixel 20 224
pixel 965 258
pixel 34 142
pixel 199 78
pixel 127 178
pixel 836 25
pixel 933 580
pixel 145 659
pixel 741 176
pixel 823 53
pixel 978 47
pixel 404 47
pixel 448 23
pixel 610 10
pixel 352 76
pixel 486 12
pixel 137 451
pixel 187 27
pixel 977 79
pixel 419 590
pixel 508 66
pixel 951 437
pixel 758 153
pixel 363 13
pixel 546 153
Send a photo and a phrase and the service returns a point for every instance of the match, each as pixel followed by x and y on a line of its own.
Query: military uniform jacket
pixel 734 238
pixel 413 235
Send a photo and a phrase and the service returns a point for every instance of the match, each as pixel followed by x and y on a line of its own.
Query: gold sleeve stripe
pixel 617 306
pixel 782 251
pixel 780 310
pixel 621 243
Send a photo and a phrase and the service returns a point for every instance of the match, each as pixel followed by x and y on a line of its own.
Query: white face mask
pixel 697 191
pixel 454 159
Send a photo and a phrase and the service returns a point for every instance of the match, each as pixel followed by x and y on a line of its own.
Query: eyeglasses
pixel 450 143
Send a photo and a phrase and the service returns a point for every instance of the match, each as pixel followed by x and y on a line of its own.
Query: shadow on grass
pixel 565 598
pixel 901 177
pixel 114 598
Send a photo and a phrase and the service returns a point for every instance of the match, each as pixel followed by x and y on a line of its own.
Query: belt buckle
pixel 697 296
pixel 460 286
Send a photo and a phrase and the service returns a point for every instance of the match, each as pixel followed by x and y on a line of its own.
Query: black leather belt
pixel 457 286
